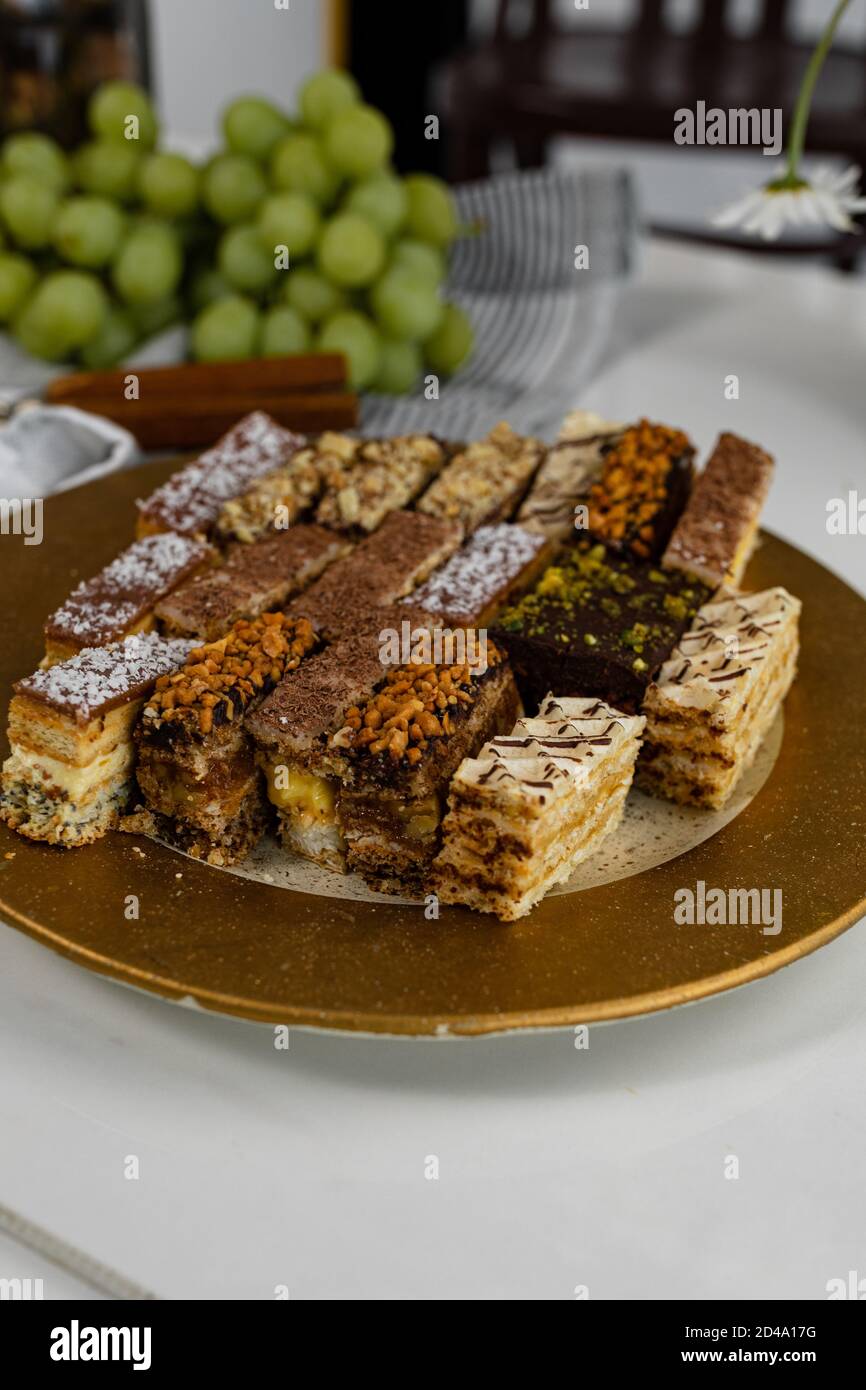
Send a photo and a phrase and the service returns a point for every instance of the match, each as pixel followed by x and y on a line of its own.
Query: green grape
pixel 314 297
pixel 358 141
pixel 28 208
pixel 160 314
pixel 298 165
pixel 149 266
pixel 252 126
pixel 406 305
pixel 325 94
pixel 17 278
pixel 114 341
pixel 207 286
pixel 226 330
pixel 283 332
pixel 399 367
pixel 351 251
pixel 432 215
pixel 107 170
pixel 39 155
pixel 66 311
pixel 419 257
pixel 382 200
pixel 233 186
pixel 353 335
pixel 288 219
pixel 168 185
pixel 243 261
pixel 452 342
pixel 88 231
pixel 110 108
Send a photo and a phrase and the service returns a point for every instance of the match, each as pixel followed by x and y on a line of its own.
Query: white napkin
pixel 49 448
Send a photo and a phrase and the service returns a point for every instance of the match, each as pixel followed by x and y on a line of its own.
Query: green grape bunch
pixel 297 235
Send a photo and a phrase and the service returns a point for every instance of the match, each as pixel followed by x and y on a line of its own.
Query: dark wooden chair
pixel 627 84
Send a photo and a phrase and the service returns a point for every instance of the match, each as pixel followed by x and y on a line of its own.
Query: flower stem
pixel 803 105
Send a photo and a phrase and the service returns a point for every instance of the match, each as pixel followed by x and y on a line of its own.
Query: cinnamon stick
pixel 196 421
pixel 265 376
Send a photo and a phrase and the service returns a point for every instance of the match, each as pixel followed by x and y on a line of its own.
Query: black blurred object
pixel 394 50
pixel 53 53
pixel 628 83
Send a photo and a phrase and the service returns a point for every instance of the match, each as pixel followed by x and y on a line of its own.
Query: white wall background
pixel 207 51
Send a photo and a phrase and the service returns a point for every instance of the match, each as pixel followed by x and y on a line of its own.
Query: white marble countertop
pixel 558 1168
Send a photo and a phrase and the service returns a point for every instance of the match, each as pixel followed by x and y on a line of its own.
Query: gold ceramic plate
pixel 241 947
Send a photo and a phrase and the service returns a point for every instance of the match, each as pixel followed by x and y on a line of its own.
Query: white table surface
pixel 557 1167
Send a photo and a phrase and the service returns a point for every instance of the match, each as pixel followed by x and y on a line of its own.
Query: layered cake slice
pixel 70 773
pixel 196 765
pixel 254 579
pixel 570 467
pixel 121 599
pixel 645 480
pixel 192 499
pixel 716 533
pixel 368 478
pixel 382 569
pixel 717 696
pixel 597 624
pixel 497 564
pixel 484 482
pixel 403 746
pixel 293 731
pixel 534 804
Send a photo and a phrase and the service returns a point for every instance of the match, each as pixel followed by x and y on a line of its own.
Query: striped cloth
pixel 540 324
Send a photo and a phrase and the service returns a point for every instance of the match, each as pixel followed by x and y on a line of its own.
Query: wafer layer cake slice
pixel 532 805
pixel 70 773
pixel 717 696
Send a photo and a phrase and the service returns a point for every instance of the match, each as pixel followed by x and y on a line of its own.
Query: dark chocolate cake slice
pixel 597 624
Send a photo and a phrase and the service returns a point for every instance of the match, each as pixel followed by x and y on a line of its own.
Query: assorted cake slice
pixel 716 533
pixel 645 480
pixel 718 694
pixel 484 482
pixel 570 467
pixel 532 805
pixel 403 746
pixel 122 598
pixel 70 772
pixel 254 579
pixel 497 564
pixel 369 478
pixel 293 731
pixel 196 765
pixel 597 624
pixel 382 569
pixel 192 499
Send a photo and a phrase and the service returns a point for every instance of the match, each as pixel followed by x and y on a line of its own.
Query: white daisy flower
pixel 828 198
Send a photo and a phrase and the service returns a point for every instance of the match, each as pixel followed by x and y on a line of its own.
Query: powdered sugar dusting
pixel 191 500
pixel 103 607
pixel 101 677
